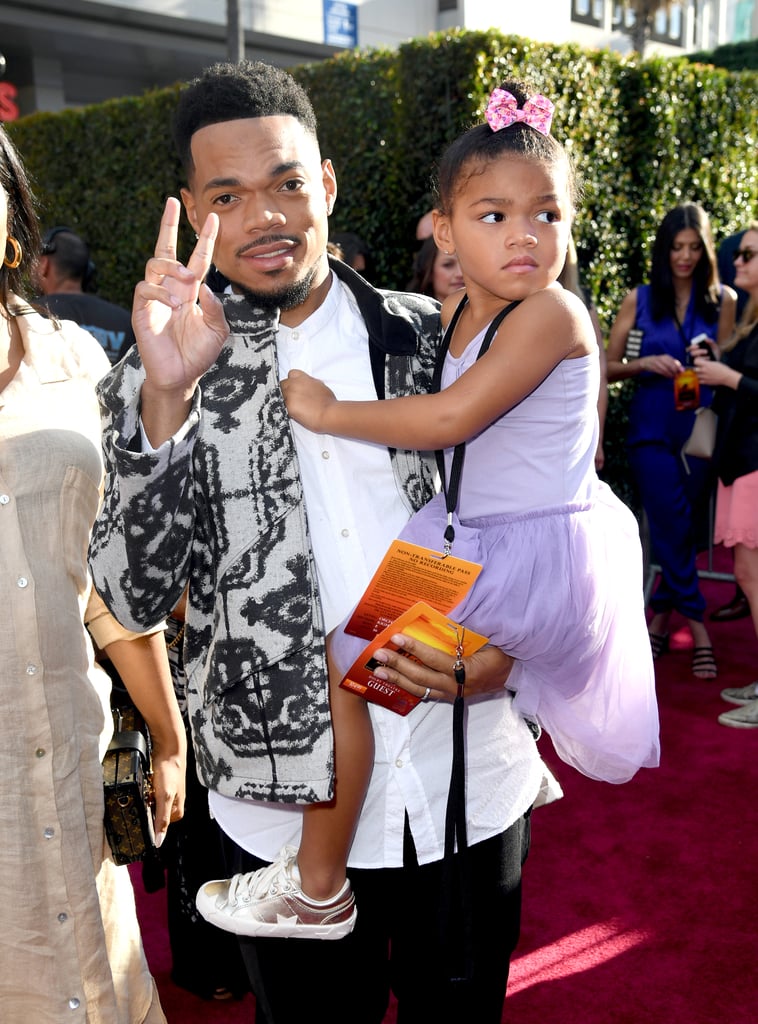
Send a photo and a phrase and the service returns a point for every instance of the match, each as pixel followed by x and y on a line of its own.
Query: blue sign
pixel 340 24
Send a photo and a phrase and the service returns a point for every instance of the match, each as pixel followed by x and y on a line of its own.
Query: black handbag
pixel 128 789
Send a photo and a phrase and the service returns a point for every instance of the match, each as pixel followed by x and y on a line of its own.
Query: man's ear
pixel 329 179
pixel 190 208
pixel 42 272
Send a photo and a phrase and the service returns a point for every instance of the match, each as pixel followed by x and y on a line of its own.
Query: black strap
pixel 130 739
pixel 456 891
pixel 680 327
pixel 461 963
pixel 456 469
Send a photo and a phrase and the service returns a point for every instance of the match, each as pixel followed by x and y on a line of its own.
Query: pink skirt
pixel 561 592
pixel 737 512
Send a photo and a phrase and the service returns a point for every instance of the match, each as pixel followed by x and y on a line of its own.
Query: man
pixel 209 485
pixel 65 273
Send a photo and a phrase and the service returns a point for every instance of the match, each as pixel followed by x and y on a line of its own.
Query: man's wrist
pixel 163 411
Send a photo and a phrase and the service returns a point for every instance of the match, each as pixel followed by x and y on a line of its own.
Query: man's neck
pixel 66 287
pixel 294 317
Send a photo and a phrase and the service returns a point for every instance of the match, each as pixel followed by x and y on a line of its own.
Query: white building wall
pixel 387 23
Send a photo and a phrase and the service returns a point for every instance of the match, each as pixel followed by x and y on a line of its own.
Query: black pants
pixel 397 945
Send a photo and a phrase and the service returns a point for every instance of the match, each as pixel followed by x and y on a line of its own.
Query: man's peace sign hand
pixel 179 325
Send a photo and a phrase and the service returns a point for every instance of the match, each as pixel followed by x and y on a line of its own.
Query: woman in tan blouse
pixel 70 948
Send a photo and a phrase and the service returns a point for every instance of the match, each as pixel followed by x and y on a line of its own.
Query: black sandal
pixel 659 644
pixel 704 663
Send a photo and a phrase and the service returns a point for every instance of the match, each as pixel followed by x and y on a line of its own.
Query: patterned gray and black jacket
pixel 220 506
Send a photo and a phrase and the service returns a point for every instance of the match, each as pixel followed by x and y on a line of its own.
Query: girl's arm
pixel 546 328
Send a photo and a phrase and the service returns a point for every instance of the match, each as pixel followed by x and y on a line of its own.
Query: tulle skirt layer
pixel 561 592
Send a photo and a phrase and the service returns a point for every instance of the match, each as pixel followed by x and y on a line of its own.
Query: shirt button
pixel 22 582
pixel 399 763
pixel 31 670
pixel 345 533
pixel 295 335
pixel 73 1003
pixel 40 752
pixel 4 499
pixel 325 455
pixel 49 832
pixel 63 918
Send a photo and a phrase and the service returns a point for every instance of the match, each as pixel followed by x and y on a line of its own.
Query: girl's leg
pixel 328 827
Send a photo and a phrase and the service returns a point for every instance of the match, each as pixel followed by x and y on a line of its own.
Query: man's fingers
pixel 166 244
pixel 158 267
pixel 202 255
pixel 145 293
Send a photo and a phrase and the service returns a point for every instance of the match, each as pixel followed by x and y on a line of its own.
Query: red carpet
pixel 640 901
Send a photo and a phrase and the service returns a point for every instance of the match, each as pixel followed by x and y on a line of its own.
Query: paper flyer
pixel 409 573
pixel 422 622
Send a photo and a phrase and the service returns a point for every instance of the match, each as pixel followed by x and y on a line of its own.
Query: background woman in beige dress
pixel 70 948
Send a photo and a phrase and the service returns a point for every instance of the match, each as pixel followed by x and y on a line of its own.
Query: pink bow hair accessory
pixel 503 110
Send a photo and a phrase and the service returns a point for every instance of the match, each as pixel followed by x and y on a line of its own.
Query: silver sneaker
pixel 745 717
pixel 740 694
pixel 270 902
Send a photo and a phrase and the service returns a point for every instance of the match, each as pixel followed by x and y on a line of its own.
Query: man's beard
pixel 289 297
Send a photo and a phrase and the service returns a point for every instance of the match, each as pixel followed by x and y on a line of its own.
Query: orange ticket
pixel 423 623
pixel 410 573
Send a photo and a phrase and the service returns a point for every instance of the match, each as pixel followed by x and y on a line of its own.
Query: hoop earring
pixel 12 264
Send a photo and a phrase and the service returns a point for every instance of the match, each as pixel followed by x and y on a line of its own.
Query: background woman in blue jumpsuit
pixel 683 300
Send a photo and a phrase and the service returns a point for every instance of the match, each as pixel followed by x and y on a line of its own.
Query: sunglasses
pixel 745 255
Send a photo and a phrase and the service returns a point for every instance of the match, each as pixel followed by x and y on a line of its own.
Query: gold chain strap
pixel 177 639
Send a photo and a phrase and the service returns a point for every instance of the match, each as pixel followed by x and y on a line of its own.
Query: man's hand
pixel 486 670
pixel 179 325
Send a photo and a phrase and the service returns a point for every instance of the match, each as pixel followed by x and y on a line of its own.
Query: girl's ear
pixel 443 237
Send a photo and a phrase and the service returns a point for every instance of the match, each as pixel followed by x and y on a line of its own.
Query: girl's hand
pixel 486 670
pixel 308 400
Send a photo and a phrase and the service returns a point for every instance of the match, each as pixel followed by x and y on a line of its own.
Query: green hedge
pixel 732 56
pixel 645 135
pixel 105 171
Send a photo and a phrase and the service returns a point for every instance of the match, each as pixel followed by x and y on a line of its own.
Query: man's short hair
pixel 229 92
pixel 71 256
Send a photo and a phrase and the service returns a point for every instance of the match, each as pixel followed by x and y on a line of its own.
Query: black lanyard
pixel 688 316
pixel 461 967
pixel 456 467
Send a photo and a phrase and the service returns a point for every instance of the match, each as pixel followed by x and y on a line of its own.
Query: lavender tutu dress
pixel 561 586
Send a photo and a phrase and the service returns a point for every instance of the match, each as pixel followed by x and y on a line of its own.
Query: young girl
pixel 561 585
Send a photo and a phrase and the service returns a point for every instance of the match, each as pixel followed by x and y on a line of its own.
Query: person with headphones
pixel 66 278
